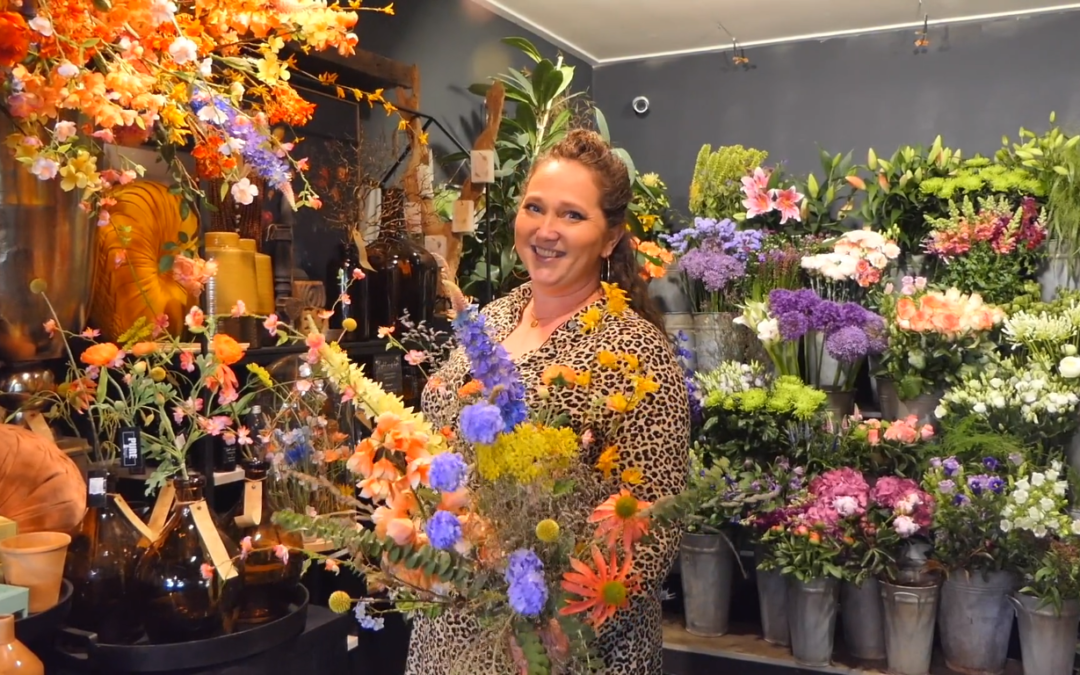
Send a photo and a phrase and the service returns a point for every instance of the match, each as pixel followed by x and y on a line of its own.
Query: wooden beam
pixel 387 72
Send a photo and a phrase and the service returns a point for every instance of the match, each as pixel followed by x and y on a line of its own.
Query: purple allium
pixel 443 530
pixel 522 562
pixel 792 326
pixel 713 268
pixel 848 344
pixel 447 472
pixel 481 423
pixel 528 594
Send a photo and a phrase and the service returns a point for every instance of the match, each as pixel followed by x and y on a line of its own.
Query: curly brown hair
pixel 613 178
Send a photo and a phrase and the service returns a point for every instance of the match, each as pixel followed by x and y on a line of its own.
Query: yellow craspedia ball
pixel 339 602
pixel 349 324
pixel 547 531
pixel 158 374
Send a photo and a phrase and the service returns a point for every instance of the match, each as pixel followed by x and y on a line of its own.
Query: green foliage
pixel 893 195
pixel 828 200
pixel 715 190
pixel 1052 569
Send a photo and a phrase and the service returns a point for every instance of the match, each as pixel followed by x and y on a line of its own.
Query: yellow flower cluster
pixel 608 463
pixel 529 452
pixel 643 385
pixel 615 303
pixel 367 396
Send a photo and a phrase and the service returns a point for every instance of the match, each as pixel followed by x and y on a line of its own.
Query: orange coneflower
pixel 620 517
pixel 603 591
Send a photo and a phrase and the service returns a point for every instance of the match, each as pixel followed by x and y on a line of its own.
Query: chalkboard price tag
pixel 387 371
pixel 131 451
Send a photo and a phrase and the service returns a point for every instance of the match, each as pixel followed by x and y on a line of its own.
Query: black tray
pixel 81 651
pixel 34 628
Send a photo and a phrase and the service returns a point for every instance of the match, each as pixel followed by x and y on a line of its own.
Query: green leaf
pixel 526 47
pixel 563 486
pixel 166 263
pixel 480 88
pixel 602 126
pixel 625 157
pixel 543 84
pixel 185 213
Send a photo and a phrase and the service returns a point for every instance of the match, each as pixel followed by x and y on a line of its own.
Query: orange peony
pixel 144 348
pixel 227 350
pixel 100 355
pixel 14 39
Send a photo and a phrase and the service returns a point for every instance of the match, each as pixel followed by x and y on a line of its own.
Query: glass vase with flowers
pixel 142 409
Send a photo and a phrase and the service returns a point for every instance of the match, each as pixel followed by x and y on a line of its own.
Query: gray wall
pixel 975 83
pixel 455 43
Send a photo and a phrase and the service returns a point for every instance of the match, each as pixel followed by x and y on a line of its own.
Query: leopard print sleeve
pixel 654 437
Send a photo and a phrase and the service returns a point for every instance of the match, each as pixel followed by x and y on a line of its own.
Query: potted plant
pixel 888 601
pixel 768 489
pixel 881 448
pixel 970 548
pixel 709 508
pixel 934 338
pixel 807 546
pixel 1045 541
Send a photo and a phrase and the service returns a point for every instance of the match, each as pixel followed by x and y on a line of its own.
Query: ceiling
pixel 609 31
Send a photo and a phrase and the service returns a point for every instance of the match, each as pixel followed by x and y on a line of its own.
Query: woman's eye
pixel 574 215
pixel 533 208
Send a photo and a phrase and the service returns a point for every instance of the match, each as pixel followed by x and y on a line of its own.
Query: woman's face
pixel 560 232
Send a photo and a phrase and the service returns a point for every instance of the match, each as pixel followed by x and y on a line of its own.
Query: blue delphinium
pixel 481 423
pixel 447 472
pixel 254 147
pixel 443 530
pixel 492 367
pixel 528 592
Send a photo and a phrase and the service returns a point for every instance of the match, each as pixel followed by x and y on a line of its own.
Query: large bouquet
pixel 990 249
pixel 491 522
pixel 935 337
pixel 78 73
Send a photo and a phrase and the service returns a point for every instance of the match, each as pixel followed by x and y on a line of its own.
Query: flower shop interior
pixel 238 241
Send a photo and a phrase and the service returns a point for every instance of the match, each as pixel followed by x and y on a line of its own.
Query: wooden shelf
pixel 744 643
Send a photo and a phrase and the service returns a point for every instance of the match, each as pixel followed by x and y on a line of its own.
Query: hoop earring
pixel 605 275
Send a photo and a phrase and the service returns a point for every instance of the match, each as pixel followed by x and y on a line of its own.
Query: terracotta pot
pixel 36 561
pixel 15 657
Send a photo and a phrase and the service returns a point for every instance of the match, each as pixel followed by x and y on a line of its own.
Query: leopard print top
pixel 654 437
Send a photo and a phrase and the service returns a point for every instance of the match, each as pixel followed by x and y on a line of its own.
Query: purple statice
pixel 713 268
pixel 528 594
pixel 847 345
pixel 719 235
pixel 443 530
pixel 492 366
pixel 447 471
pixel 255 147
pixel 481 423
pixel 521 563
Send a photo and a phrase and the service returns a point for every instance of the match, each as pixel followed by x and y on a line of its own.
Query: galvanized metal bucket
pixel 860 612
pixel 812 620
pixel 772 599
pixel 1047 637
pixel 908 614
pixel 706 566
pixel 975 619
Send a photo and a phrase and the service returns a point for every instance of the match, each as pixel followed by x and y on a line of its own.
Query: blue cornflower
pixel 481 423
pixel 528 594
pixel 447 472
pixel 443 530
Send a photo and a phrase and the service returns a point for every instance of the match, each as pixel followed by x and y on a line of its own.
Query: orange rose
pixel 947 323
pixel 227 350
pixel 144 348
pixel 905 308
pixel 100 355
pixel 14 39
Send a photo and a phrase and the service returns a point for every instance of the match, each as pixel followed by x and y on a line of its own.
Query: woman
pixel 570 232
